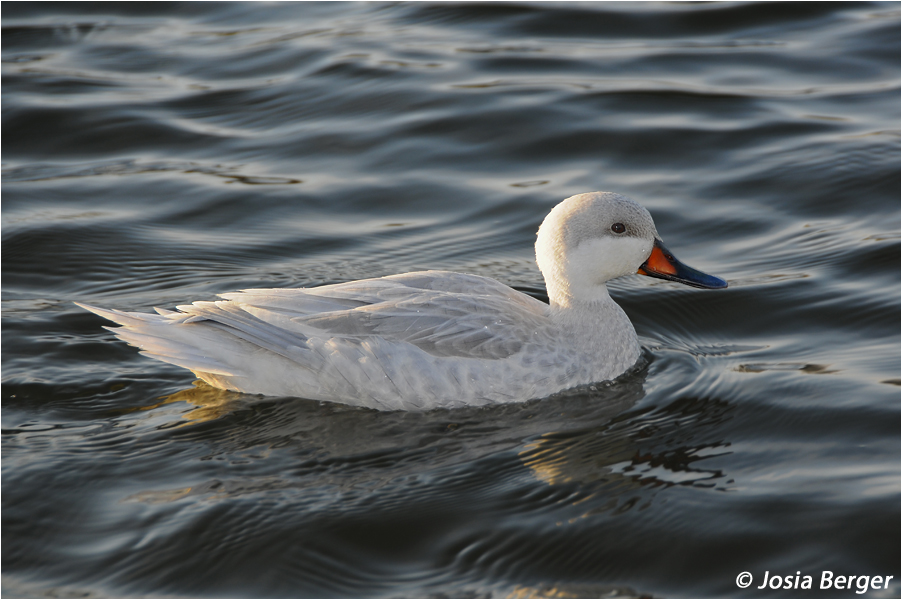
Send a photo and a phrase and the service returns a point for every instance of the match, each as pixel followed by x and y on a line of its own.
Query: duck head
pixel 589 239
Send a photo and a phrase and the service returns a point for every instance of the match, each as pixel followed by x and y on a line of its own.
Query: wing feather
pixel 442 314
pixel 232 318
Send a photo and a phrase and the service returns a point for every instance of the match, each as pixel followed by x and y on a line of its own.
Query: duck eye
pixel 618 228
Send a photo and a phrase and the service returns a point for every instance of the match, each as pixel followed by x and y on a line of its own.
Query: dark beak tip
pixel 718 284
pixel 708 282
pixel 662 264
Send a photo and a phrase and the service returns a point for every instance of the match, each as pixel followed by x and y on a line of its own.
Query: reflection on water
pixel 645 449
pixel 212 403
pixel 319 433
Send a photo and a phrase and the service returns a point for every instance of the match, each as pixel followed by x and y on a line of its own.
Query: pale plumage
pixel 429 339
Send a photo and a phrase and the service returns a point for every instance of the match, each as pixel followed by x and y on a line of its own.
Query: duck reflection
pixel 593 444
pixel 212 403
pixel 612 466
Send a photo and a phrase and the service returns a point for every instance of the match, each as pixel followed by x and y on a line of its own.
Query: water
pixel 156 154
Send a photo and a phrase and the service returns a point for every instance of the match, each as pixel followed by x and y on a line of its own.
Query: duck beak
pixel 664 265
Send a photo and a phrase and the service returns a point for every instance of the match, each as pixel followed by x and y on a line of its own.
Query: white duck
pixel 430 339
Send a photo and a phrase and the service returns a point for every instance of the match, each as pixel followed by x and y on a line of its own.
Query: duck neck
pixel 566 296
pixel 596 325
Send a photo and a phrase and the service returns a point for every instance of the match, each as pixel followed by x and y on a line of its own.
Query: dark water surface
pixel 155 154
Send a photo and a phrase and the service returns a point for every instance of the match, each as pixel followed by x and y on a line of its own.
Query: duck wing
pixel 441 313
pixel 348 338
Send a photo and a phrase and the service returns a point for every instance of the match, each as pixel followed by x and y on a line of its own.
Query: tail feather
pixel 122 318
pixel 159 337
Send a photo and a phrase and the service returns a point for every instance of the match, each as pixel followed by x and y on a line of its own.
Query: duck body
pixel 429 339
